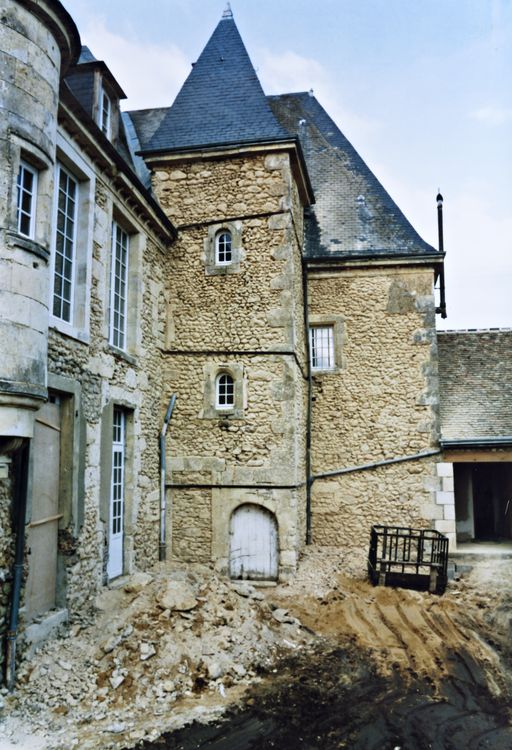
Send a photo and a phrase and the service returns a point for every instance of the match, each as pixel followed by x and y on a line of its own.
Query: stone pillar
pixel 445 499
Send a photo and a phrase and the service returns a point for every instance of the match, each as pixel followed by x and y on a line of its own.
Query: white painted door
pixel 116 515
pixel 253 548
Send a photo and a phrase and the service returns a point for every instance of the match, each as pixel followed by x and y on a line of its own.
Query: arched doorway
pixel 253 544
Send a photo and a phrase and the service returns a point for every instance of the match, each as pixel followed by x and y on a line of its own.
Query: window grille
pixel 321 342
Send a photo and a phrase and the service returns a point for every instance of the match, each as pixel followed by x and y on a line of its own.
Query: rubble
pixel 159 640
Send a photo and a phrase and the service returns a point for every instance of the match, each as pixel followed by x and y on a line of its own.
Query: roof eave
pixel 428 259
pixel 107 156
pixel 504 441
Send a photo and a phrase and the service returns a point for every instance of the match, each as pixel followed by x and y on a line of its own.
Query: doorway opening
pixel 483 501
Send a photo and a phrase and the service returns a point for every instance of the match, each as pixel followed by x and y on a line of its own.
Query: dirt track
pixel 395 669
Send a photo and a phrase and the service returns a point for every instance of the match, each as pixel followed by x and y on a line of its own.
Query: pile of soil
pixel 326 661
pixel 159 640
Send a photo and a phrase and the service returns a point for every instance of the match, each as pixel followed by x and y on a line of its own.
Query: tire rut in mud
pixel 332 697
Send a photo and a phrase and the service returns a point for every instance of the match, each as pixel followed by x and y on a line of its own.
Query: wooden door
pixel 254 547
pixel 43 527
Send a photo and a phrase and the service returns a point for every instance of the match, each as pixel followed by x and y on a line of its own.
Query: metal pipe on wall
pixel 162 549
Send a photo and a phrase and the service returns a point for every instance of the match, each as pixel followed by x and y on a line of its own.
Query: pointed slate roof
pixel 353 215
pixel 221 102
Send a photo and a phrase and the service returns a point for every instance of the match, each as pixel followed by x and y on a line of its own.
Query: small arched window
pixel 224 391
pixel 223 250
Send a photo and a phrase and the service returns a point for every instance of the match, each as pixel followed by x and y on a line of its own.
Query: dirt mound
pixel 159 639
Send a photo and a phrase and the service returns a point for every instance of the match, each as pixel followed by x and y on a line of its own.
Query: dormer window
pixel 223 251
pixel 105 114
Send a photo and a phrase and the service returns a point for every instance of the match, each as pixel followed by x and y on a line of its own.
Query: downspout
pixel 162 547
pixel 309 478
pixel 442 299
pixel 19 512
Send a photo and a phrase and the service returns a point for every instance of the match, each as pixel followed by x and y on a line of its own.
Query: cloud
pixel 492 115
pixel 288 72
pixel 134 64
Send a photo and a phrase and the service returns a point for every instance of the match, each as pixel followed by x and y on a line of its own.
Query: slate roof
pixel 475 381
pixel 220 103
pixel 353 215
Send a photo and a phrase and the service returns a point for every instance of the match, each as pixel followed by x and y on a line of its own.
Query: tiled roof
pixel 475 381
pixel 220 103
pixel 353 215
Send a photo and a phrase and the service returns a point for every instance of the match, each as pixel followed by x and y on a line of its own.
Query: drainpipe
pixel 309 478
pixel 162 548
pixel 19 511
pixel 442 299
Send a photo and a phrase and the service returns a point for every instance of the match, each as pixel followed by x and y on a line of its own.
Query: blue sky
pixel 423 90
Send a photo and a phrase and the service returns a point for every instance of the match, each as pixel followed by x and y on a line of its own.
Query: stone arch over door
pixel 253 543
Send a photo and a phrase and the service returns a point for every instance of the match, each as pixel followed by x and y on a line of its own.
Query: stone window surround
pixel 72 161
pixel 136 246
pixel 211 374
pixel 337 322
pixel 22 150
pixel 212 267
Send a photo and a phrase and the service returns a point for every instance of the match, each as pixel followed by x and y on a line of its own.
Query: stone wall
pixel 248 321
pixel 107 377
pixel 381 403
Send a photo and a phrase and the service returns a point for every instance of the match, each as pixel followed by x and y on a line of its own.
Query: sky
pixel 422 90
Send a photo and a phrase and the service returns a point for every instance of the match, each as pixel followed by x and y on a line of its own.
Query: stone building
pixel 218 329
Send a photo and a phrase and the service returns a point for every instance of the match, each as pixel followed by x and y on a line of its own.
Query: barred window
pixel 224 391
pixel 321 343
pixel 223 251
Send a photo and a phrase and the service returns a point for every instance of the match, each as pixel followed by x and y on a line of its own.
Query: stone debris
pixel 158 638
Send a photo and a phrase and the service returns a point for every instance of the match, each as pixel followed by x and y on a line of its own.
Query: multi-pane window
pixel 105 113
pixel 65 245
pixel 26 200
pixel 117 490
pixel 118 286
pixel 321 344
pixel 224 391
pixel 223 251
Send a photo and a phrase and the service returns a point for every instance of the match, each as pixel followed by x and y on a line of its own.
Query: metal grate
pixel 411 558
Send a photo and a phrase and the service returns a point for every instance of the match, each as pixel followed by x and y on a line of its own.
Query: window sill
pixel 25 243
pixel 69 330
pixel 121 354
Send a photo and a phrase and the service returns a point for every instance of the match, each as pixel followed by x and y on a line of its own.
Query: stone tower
pixel 233 182
pixel 38 42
